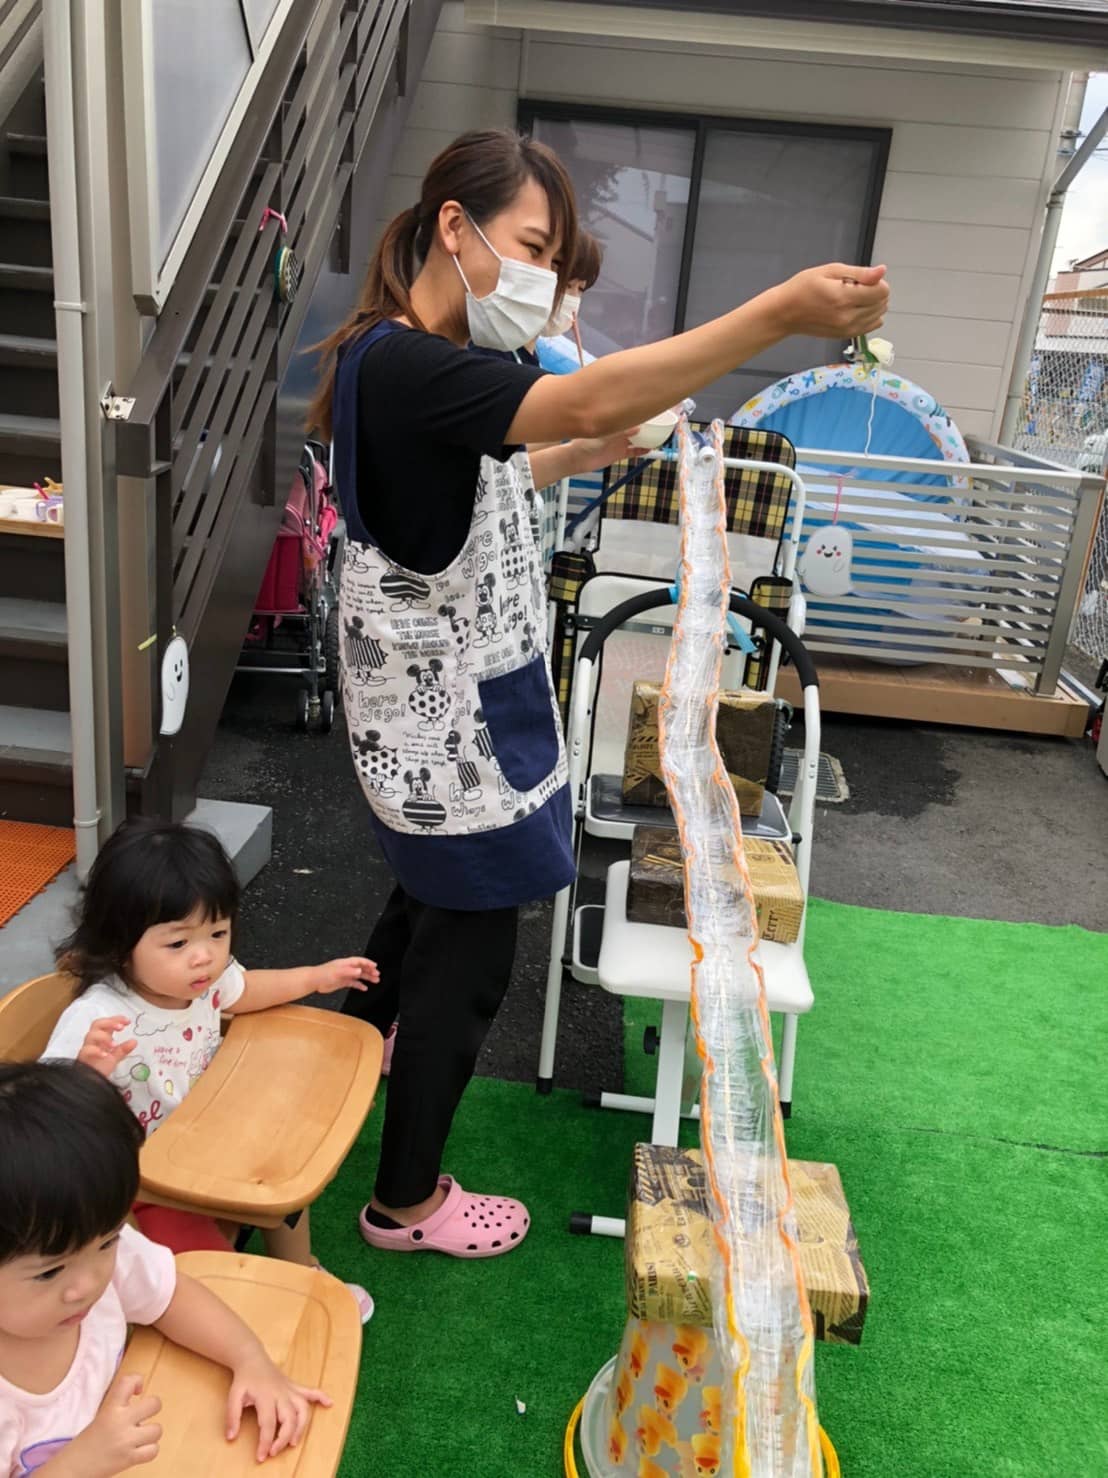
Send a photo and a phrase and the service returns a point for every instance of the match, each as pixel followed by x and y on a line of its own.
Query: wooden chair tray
pixel 310 1326
pixel 267 1126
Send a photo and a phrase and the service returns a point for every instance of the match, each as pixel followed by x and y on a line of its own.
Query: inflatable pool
pixel 904 539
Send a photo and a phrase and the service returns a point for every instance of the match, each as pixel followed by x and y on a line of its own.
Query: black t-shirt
pixel 517 356
pixel 427 412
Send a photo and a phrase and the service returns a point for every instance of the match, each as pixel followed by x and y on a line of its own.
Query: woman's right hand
pixel 632 386
pixel 834 302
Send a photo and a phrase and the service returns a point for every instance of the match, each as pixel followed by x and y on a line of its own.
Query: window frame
pixel 154 270
pixel 530 110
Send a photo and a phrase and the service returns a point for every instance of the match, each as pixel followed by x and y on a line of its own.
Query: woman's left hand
pixel 348 974
pixel 283 1408
pixel 593 454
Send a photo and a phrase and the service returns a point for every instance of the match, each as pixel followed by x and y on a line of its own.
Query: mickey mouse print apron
pixel 450 708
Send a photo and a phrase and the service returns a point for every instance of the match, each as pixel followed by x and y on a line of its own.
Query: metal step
pixel 28 375
pixel 35 734
pixel 25 230
pixel 30 449
pixel 35 766
pixel 28 351
pixel 38 626
pixel 27 143
pixel 32 562
pixel 28 174
pixel 27 299
pixel 33 653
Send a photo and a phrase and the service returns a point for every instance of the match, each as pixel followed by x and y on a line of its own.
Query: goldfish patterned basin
pixel 594 1422
pixel 655 1410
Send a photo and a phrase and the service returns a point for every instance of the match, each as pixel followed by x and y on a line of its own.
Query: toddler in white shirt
pixel 152 954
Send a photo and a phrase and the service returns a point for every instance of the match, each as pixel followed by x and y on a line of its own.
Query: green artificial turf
pixel 954 1071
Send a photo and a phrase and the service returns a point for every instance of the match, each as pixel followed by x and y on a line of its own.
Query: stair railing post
pixel 70 311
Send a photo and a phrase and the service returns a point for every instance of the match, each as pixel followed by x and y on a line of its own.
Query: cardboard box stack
pixel 665 1400
pixel 656 887
pixel 744 731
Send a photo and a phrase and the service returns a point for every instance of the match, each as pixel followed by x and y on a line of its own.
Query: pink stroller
pixel 295 625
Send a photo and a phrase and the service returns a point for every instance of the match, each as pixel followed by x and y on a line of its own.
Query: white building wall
pixel 470 80
pixel 972 155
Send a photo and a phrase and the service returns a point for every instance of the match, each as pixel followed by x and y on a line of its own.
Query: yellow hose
pixel 831 1467
pixel 567 1447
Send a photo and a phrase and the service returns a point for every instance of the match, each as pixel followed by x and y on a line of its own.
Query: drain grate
pixel 831 786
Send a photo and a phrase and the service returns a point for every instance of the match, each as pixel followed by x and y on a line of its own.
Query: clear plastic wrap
pixel 762 1319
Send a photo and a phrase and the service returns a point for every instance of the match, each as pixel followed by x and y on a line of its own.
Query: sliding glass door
pixel 696 215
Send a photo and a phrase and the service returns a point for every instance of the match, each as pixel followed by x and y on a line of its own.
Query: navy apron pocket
pixel 520 718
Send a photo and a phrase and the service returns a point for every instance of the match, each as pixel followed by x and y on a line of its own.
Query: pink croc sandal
pixel 465 1225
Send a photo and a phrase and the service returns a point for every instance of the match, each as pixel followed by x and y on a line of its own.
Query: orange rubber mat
pixel 30 857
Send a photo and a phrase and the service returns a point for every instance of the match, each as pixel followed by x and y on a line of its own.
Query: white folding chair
pixel 650 960
pixel 595 753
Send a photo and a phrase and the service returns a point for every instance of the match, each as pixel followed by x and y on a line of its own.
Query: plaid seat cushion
pixel 757 501
pixel 773 593
pixel 568 572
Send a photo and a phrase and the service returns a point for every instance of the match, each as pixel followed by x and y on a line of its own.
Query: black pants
pixel 444 973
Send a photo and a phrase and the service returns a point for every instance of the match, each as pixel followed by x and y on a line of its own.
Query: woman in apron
pixel 449 704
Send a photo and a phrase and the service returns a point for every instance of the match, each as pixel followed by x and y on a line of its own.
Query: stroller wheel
pixel 302 708
pixel 327 712
pixel 331 649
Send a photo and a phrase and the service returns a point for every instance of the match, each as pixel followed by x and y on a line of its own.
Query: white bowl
pixel 655 432
pixel 19 503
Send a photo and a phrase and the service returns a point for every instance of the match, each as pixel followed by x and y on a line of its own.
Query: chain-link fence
pixel 1064 418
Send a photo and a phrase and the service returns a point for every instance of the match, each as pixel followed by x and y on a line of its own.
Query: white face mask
pixel 561 320
pixel 517 309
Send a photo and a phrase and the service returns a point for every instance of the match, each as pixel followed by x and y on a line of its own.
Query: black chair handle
pixel 741 605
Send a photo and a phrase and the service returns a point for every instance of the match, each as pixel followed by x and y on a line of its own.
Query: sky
pixel 1085 215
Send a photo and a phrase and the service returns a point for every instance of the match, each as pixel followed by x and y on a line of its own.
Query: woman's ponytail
pixel 386 293
pixel 388 284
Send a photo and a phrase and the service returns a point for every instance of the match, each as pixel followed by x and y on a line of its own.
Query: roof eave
pixel 1014 22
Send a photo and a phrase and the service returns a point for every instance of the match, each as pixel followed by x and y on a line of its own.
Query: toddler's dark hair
pixel 147 873
pixel 69 1158
pixel 587 261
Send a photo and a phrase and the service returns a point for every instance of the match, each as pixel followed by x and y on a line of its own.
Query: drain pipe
pixel 1025 347
pixel 69 311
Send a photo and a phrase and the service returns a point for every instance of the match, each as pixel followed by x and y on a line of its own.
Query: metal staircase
pixel 34 684
pixel 188 488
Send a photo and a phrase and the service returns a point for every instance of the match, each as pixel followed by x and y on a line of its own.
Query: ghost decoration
pixel 175 685
pixel 825 565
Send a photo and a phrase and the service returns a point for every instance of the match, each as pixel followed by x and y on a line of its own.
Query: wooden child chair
pixel 310 1327
pixel 258 1138
pixel 267 1126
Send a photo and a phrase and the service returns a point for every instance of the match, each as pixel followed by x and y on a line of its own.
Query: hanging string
pixel 872 409
pixel 577 337
pixel 838 499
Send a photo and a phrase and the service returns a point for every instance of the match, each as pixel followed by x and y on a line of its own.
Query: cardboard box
pixel 656 887
pixel 669 1244
pixel 664 1406
pixel 744 731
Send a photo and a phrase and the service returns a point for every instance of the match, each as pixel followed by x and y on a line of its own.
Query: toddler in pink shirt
pixel 73 1276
